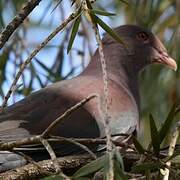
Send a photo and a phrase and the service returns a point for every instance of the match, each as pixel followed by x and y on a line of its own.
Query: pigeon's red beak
pixel 162 57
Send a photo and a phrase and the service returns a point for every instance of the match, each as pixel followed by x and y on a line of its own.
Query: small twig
pixel 105 104
pixel 51 153
pixel 8 146
pixel 85 148
pixel 89 141
pixel 54 159
pixel 34 53
pixel 67 113
pixel 171 151
pixel 18 19
pixel 17 143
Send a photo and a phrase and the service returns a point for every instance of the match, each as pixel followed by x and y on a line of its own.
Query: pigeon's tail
pixel 10 160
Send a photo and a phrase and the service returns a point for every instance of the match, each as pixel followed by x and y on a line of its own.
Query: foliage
pixel 153 159
pixel 159 87
pixel 160 16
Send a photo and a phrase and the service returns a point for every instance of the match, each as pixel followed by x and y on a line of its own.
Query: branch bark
pixel 16 22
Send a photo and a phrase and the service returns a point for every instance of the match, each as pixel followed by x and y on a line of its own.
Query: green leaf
pixel 88 4
pixel 55 75
pixel 83 178
pixel 102 13
pixel 148 174
pixel 119 158
pixel 1 92
pixel 92 15
pixel 167 124
pixel 138 146
pixel 54 177
pixel 92 167
pixel 73 1
pixel 73 33
pixel 175 160
pixel 57 4
pixel 175 154
pixel 119 166
pixel 118 172
pixel 146 166
pixel 125 2
pixel 36 75
pixel 154 136
pixel 109 30
pixel 3 63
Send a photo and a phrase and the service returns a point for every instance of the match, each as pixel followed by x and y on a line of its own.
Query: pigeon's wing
pixel 32 115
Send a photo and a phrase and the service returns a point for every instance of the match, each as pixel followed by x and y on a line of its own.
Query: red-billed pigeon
pixel 32 115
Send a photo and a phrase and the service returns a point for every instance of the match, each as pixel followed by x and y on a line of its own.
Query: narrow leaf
pixel 109 30
pixel 119 158
pixel 52 74
pixel 92 167
pixel 175 154
pixel 58 3
pixel 167 124
pixel 73 33
pixel 73 1
pixel 148 174
pixel 36 75
pixel 138 146
pixel 102 13
pixel 118 172
pixel 88 4
pixel 54 177
pixel 154 136
pixel 91 14
pixel 125 2
pixel 3 63
pixel 146 166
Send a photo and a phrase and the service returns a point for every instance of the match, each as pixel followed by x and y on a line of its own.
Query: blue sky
pixel 37 33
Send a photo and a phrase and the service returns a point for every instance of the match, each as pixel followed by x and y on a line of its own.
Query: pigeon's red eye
pixel 142 36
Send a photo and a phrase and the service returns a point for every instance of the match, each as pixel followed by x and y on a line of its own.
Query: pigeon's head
pixel 143 45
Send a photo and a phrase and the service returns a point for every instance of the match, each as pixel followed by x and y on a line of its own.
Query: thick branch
pixel 18 19
pixel 32 171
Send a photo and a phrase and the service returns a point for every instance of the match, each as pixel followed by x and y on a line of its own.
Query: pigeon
pixel 33 114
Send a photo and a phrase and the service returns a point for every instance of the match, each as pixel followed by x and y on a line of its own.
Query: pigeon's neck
pixel 119 70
